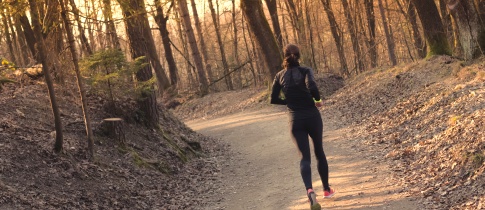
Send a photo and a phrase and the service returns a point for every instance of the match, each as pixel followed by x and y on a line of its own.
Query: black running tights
pixel 300 130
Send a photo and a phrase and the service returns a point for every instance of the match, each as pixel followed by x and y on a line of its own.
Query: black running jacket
pixel 299 89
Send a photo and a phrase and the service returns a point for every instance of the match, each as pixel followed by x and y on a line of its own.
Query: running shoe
pixel 328 193
pixel 312 197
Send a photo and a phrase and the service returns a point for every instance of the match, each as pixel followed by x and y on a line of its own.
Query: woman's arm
pixel 275 93
pixel 312 85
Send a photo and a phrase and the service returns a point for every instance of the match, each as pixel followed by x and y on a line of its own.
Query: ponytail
pixel 292 55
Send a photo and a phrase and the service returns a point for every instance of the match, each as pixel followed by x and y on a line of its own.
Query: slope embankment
pixel 424 120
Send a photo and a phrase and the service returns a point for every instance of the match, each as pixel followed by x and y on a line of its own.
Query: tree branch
pixel 230 72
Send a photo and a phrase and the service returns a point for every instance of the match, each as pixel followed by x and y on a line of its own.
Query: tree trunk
pixel 191 80
pixel 418 41
pixel 203 47
pixel 110 25
pixel 456 48
pixel 84 39
pixel 15 39
pixel 6 29
pixel 24 48
pixel 254 13
pixel 446 18
pixel 161 21
pixel 53 39
pixel 471 31
pixel 390 43
pixel 255 79
pixel 221 46
pixel 336 33
pixel 353 37
pixel 136 27
pixel 371 24
pixel 50 86
pixel 298 21
pixel 434 31
pixel 80 83
pixel 29 36
pixel 310 37
pixel 238 79
pixel 52 30
pixel 151 53
pixel 89 25
pixel 284 33
pixel 163 82
pixel 189 32
pixel 292 23
pixel 273 11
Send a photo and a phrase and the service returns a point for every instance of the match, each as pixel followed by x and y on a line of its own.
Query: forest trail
pixel 264 170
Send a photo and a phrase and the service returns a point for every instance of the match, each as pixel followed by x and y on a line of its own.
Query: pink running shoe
pixel 328 194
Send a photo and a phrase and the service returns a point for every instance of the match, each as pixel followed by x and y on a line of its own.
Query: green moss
pixel 180 152
pixel 160 166
pixel 438 46
pixel 139 161
pixel 123 149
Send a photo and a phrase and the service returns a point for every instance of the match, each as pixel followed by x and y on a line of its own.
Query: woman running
pixel 302 98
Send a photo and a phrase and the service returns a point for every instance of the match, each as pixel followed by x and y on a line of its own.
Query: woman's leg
pixel 316 132
pixel 299 135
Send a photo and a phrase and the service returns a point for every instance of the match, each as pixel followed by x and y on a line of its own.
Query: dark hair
pixel 292 55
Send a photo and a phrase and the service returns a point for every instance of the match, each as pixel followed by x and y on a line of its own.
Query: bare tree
pixel 471 30
pixel 253 11
pixel 185 17
pixel 8 37
pixel 389 39
pixel 24 49
pixel 136 27
pixel 14 39
pixel 203 46
pixel 273 11
pixel 371 25
pixel 221 46
pixel 110 25
pixel 52 30
pixel 29 34
pixel 298 22
pixel 237 74
pixel 353 37
pixel 251 65
pixel 434 31
pixel 310 36
pixel 80 83
pixel 189 67
pixel 84 39
pixel 337 36
pixel 34 14
pixel 411 16
pixel 161 20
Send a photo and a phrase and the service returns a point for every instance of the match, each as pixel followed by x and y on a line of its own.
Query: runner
pixel 302 98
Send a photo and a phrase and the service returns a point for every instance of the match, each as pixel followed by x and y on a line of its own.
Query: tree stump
pixel 116 129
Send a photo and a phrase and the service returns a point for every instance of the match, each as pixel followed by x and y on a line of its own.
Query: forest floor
pixel 408 136
pixel 171 167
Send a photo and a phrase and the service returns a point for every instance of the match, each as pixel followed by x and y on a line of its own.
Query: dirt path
pixel 264 172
